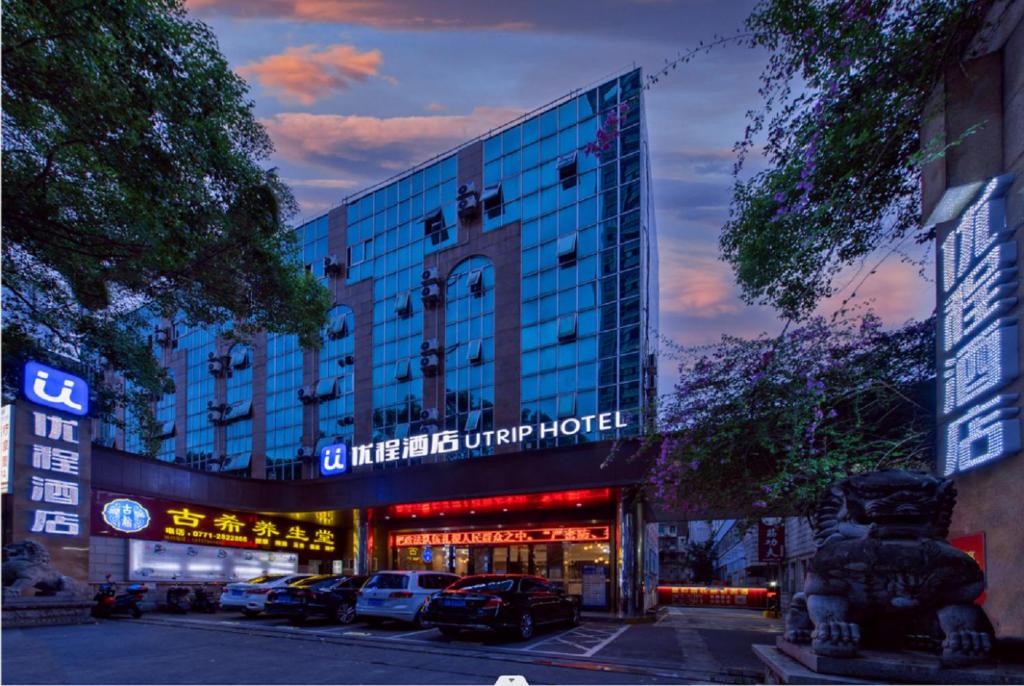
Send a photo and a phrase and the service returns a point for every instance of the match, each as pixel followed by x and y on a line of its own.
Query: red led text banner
pixel 155 519
pixel 587 533
pixel 701 595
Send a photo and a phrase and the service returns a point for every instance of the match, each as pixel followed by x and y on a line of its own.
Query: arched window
pixel 469 353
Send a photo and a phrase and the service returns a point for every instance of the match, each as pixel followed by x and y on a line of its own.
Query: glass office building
pixel 509 282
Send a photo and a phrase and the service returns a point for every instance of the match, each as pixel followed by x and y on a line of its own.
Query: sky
pixel 354 91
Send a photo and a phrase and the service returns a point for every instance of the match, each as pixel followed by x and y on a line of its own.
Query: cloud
pixel 669 22
pixel 435 107
pixel 372 148
pixel 305 73
pixel 896 290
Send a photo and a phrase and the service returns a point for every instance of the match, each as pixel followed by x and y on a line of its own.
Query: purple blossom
pixel 759 504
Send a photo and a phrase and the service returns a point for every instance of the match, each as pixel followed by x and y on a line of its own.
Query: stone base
pixel 789 663
pixel 45 611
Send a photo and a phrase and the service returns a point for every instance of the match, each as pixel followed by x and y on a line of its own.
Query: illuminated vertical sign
pixel 6 446
pixel 978 355
pixel 56 389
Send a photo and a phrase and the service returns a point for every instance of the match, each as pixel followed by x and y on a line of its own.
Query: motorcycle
pixel 179 599
pixel 203 600
pixel 108 602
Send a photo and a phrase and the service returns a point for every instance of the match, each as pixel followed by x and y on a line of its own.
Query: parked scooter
pixel 108 602
pixel 179 599
pixel 203 600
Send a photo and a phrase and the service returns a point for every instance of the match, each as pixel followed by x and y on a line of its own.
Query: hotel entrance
pixel 535 534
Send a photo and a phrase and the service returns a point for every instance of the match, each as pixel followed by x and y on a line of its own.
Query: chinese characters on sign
pixel 771 542
pixel 591 533
pixel 701 595
pixel 447 442
pixel 55 484
pixel 157 519
pixel 980 340
pixel 6 446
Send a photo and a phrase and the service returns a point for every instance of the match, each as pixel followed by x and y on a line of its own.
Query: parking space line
pixel 621 630
pixel 410 633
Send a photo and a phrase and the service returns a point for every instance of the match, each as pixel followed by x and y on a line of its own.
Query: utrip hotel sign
pixel 979 334
pixel 400 450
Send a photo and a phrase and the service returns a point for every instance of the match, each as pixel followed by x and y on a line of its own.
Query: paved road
pixel 225 648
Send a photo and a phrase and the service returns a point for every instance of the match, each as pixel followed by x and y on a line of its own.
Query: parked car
pixel 510 603
pixel 250 596
pixel 400 594
pixel 332 596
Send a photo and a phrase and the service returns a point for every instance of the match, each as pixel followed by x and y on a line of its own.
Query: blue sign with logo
pixel 55 389
pixel 334 459
pixel 428 554
pixel 126 515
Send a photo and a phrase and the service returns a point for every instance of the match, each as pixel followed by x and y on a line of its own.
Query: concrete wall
pixel 988 88
pixel 108 555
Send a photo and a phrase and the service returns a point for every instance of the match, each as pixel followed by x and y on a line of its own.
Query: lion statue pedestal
pixel 58 599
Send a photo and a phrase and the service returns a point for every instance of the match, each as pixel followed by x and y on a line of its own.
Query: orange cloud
pixel 306 74
pixel 694 285
pixel 896 291
pixel 375 143
pixel 409 14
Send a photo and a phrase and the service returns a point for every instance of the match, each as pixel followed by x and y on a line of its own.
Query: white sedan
pixel 400 594
pixel 250 596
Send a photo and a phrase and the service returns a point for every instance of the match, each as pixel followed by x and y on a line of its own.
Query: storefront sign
pixel 157 519
pixel 973 545
pixel 771 542
pixel 6 446
pixel 53 484
pixel 722 597
pixel 56 389
pixel 446 442
pixel 979 351
pixel 501 536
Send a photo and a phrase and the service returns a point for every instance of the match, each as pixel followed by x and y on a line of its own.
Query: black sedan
pixel 332 596
pixel 509 603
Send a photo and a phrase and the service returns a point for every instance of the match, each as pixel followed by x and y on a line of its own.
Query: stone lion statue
pixel 26 564
pixel 883 570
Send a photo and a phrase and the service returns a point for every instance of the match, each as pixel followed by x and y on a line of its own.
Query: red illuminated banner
pixel 529 501
pixel 701 595
pixel 156 519
pixel 502 536
pixel 973 545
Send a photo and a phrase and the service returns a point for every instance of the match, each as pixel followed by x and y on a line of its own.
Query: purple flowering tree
pixel 846 88
pixel 757 426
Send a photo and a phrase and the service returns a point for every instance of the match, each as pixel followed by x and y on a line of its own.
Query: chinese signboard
pixel 700 595
pixel 979 347
pixel 973 545
pixel 6 447
pixel 50 474
pixel 502 536
pixel 771 542
pixel 164 520
pixel 400 450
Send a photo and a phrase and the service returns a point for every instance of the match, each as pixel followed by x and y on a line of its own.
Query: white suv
pixel 400 594
pixel 250 596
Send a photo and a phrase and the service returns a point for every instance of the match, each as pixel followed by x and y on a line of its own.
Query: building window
pixel 469 340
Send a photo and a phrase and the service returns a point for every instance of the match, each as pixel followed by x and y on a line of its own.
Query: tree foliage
pixel 133 187
pixel 845 91
pixel 763 425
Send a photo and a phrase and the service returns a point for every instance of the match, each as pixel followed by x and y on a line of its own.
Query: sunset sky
pixel 353 91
